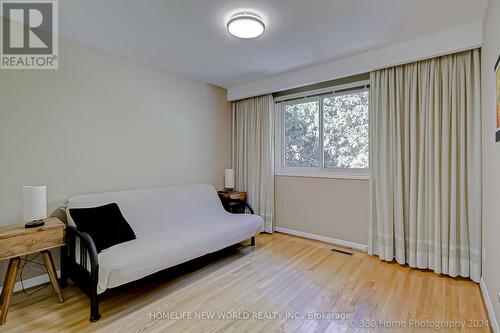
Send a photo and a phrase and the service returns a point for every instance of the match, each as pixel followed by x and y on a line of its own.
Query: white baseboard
pixel 32 282
pixel 489 306
pixel 335 241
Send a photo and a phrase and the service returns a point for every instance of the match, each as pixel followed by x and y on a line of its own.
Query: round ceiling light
pixel 246 25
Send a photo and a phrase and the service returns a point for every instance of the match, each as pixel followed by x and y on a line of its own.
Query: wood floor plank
pixel 298 280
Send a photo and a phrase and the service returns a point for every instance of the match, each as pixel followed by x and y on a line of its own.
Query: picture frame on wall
pixel 497 75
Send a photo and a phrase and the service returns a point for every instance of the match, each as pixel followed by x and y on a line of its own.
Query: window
pixel 324 135
pixel 302 134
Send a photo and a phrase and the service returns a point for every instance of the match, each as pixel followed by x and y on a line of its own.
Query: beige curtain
pixel 425 164
pixel 253 152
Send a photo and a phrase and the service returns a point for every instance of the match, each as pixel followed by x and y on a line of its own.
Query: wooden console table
pixel 17 241
pixel 233 201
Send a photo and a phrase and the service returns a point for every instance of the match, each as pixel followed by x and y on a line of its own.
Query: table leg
pixel 63 281
pixel 51 271
pixel 8 287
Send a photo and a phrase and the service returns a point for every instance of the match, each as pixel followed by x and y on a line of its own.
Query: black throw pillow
pixel 105 224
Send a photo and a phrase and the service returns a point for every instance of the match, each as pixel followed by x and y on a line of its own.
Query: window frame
pixel 314 95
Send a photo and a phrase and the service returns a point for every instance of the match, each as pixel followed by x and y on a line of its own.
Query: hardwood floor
pixel 278 281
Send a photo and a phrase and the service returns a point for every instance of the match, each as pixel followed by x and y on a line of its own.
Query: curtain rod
pixel 329 92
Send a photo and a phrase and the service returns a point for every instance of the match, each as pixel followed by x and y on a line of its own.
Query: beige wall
pixel 491 156
pixel 102 123
pixel 335 208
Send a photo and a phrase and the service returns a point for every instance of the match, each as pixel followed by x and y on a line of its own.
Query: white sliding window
pixel 302 134
pixel 324 133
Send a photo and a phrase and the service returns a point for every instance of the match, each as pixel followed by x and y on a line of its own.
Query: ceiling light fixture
pixel 245 25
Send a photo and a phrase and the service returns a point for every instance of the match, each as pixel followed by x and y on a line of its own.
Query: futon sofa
pixel 172 225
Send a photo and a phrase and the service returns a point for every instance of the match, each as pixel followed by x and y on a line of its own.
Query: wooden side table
pixel 233 201
pixel 17 241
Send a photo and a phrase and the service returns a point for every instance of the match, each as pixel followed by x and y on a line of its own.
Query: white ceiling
pixel 189 36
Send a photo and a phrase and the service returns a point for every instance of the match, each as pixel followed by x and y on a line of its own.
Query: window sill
pixel 357 174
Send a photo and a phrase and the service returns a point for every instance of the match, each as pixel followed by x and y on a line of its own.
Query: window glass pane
pixel 345 126
pixel 302 134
